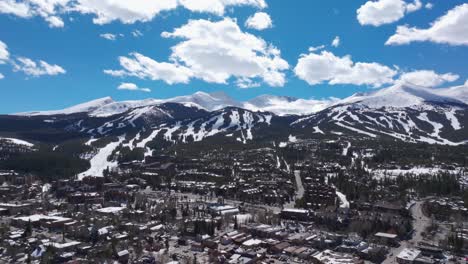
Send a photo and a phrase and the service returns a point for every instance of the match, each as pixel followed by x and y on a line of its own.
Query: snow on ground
pixel 243 218
pixel 356 130
pixel 381 173
pixel 453 120
pixel 318 130
pixel 153 135
pixel 345 149
pixel 17 141
pixel 110 210
pixel 90 141
pixel 99 162
pixel 344 203
pixel 292 139
pixel 437 129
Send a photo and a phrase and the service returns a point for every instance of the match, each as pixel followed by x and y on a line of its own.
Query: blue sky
pixel 77 55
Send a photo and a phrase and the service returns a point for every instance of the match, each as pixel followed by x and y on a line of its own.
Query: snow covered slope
pixel 405 95
pixel 282 105
pixel 279 105
pixel 81 108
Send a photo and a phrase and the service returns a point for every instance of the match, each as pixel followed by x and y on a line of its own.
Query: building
pixel 295 214
pixel 408 256
pixel 386 238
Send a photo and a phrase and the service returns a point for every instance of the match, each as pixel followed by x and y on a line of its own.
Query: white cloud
pixel 336 42
pixel 452 28
pixel 429 6
pixel 109 36
pixel 415 6
pixel 106 11
pixel 55 22
pixel 11 7
pixel 127 12
pixel 32 68
pixel 2 76
pixel 326 67
pixel 219 6
pixel 428 78
pixel 137 33
pixel 313 49
pixel 47 9
pixel 213 52
pixel 381 12
pixel 4 54
pixel 259 21
pixel 132 87
pixel 138 65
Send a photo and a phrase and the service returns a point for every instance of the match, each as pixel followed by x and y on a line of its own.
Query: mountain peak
pixel 80 108
pixel 401 95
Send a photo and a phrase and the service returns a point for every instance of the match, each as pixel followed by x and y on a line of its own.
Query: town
pixel 306 201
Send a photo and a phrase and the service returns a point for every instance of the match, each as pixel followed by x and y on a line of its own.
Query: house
pixel 295 214
pixel 408 256
pixel 123 256
pixel 14 209
pixel 386 238
pixel 331 257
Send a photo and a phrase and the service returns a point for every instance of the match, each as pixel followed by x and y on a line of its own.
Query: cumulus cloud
pixel 106 11
pixel 415 6
pixel 2 76
pixel 47 9
pixel 27 65
pixel 213 52
pixel 429 6
pixel 380 12
pixel 32 68
pixel 132 87
pixel 259 21
pixel 428 78
pixel 11 7
pixel 140 66
pixel 336 42
pixel 219 6
pixel 326 67
pixel 451 28
pixel 4 54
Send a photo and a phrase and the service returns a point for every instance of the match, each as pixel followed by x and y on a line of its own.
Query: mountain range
pixel 402 112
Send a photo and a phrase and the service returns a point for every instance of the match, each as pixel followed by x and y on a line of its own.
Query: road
pixel 420 223
pixel 300 187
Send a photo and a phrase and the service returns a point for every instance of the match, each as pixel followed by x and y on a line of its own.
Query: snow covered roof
pixel 409 254
pixel 110 210
pixel 386 235
pixel 252 242
pixel 38 217
pixel 293 210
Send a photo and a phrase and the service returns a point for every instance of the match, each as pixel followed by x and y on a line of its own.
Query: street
pixel 420 223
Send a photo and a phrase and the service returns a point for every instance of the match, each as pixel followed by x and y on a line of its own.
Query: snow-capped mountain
pixel 87 107
pixel 402 112
pixel 279 105
pixel 458 92
pixel 282 105
pixel 100 128
pixel 406 95
pixel 211 102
